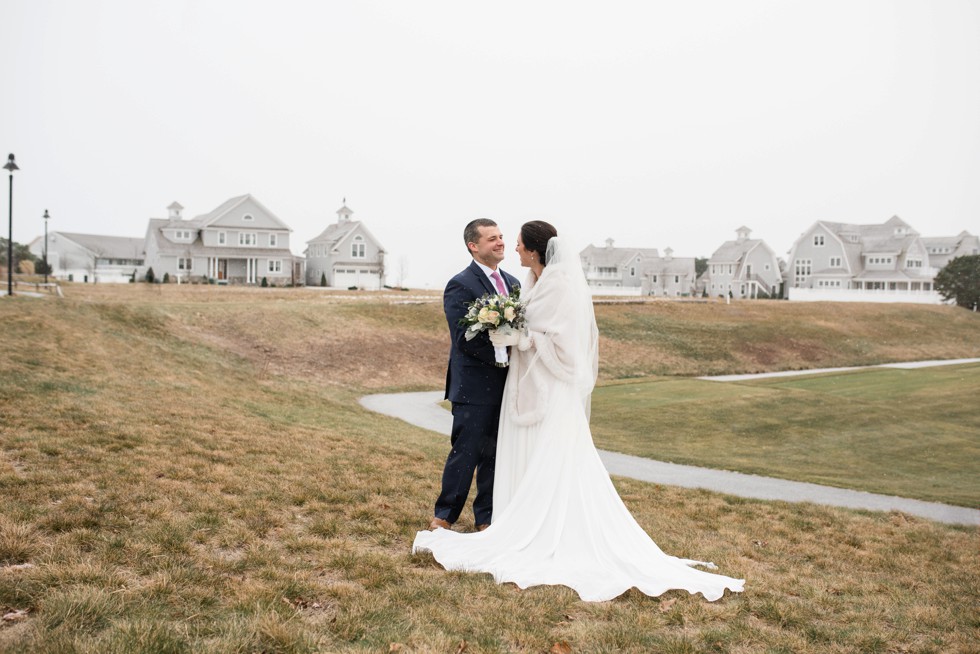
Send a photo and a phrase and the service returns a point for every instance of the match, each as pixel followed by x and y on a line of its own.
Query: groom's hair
pixel 471 233
pixel 535 236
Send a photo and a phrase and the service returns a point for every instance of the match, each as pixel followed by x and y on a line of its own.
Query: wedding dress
pixel 557 518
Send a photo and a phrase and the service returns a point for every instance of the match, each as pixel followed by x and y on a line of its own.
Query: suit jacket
pixel 472 377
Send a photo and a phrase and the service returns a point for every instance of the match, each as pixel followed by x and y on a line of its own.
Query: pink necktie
pixel 498 282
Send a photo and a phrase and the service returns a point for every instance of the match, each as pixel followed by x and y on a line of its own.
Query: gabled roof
pixel 947 241
pixel 335 233
pixel 107 247
pixel 732 251
pixel 205 220
pixel 609 257
pixel 941 241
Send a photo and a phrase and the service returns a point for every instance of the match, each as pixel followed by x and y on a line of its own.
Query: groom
pixel 474 382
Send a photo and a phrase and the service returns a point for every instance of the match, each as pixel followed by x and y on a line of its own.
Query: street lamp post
pixel 46 216
pixel 11 166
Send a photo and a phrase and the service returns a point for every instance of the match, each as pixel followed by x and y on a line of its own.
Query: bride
pixel 557 518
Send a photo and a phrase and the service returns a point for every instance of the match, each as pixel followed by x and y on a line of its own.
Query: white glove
pixel 527 340
pixel 502 338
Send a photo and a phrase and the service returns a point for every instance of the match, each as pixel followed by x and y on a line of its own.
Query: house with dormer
pixel 637 271
pixel 877 262
pixel 345 255
pixel 239 242
pixel 943 249
pixel 743 268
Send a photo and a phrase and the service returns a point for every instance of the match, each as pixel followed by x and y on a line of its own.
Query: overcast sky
pixel 653 123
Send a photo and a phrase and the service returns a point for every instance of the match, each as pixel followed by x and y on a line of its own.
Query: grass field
pixel 912 433
pixel 188 470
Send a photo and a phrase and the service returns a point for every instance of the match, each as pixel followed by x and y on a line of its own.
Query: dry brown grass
pixel 314 333
pixel 166 489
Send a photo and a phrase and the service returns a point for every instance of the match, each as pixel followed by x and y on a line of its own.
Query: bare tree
pixel 401 271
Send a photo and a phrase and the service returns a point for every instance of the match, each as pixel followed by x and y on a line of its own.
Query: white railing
pixel 604 276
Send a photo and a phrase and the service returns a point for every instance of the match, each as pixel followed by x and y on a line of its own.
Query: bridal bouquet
pixel 500 314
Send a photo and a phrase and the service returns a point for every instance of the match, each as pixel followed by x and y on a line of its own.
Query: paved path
pixel 423 410
pixel 908 365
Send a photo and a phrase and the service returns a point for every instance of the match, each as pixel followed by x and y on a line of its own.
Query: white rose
pixel 509 313
pixel 488 316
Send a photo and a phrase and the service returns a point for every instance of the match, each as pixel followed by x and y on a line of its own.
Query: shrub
pixel 323 279
pixel 959 281
pixel 150 277
pixel 166 278
pixel 265 283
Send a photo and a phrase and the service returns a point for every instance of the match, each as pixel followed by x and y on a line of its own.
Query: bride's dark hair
pixel 535 236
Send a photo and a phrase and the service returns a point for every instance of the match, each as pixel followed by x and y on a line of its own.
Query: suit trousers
pixel 474 449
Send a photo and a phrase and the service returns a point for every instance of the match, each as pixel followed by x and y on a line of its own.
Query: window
pixel 654 279
pixel 913 263
pixel 248 217
pixel 182 235
pixel 818 239
pixel 273 240
pixel 835 262
pixel 677 279
pixel 222 238
pixel 802 269
pixel 184 264
pixel 632 271
pixel 767 267
pixel 275 265
pixel 357 248
pixel 246 238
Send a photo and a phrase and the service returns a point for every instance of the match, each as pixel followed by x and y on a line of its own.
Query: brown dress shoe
pixel 437 523
pixel 482 527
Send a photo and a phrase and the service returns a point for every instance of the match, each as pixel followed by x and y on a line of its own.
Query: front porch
pixel 230 270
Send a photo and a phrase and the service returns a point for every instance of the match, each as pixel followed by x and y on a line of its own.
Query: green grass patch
pixel 913 433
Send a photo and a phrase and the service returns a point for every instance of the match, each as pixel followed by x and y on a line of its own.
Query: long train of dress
pixel 558 519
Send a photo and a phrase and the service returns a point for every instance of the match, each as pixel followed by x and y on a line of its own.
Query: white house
pixel 345 255
pixel 637 271
pixel 885 262
pixel 743 268
pixel 240 241
pixel 91 257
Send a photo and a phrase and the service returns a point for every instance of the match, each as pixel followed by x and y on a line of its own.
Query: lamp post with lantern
pixel 11 166
pixel 46 216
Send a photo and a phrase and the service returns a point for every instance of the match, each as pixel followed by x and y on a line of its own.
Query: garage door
pixel 344 278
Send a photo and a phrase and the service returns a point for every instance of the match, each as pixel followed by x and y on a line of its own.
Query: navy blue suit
pixel 475 386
